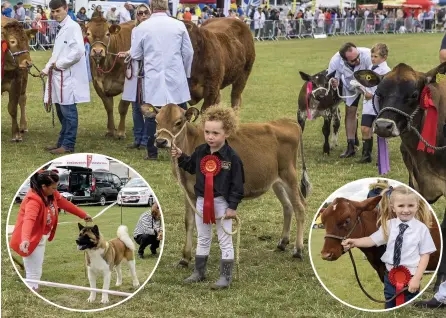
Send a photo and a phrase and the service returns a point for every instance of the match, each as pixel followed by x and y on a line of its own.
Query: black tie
pixel 58 29
pixel 374 67
pixel 399 245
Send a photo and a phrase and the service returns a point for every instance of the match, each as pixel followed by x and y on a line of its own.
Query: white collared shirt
pixel 367 106
pixel 417 241
pixel 124 15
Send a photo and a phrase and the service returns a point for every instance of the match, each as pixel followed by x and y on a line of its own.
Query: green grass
pixel 271 283
pixel 64 263
pixel 339 277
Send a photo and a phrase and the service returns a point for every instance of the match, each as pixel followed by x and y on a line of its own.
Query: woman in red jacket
pixel 37 221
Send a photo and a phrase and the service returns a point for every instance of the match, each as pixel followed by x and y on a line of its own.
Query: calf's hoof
pixel 298 253
pixel 110 134
pixel 282 244
pixel 183 263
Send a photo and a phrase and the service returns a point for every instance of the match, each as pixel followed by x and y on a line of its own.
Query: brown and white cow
pixel 277 143
pixel 15 77
pixel 398 93
pixel 106 39
pixel 224 54
pixel 320 104
pixel 340 217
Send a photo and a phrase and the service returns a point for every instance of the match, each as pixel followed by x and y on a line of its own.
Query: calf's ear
pixel 31 33
pixel 368 204
pixel 368 78
pixel 114 29
pixel 436 75
pixel 192 112
pixel 306 77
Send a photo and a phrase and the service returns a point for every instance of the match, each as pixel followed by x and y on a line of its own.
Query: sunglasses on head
pixel 143 13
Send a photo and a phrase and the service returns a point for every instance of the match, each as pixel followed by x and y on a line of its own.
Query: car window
pixel 116 180
pixel 63 179
pixel 136 183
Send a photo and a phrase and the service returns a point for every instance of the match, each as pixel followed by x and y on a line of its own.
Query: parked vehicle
pixel 22 192
pixel 136 192
pixel 87 186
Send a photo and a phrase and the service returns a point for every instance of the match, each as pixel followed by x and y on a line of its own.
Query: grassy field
pixel 271 283
pixel 339 277
pixel 64 263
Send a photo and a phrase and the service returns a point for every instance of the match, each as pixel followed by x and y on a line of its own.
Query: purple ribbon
pixel 383 156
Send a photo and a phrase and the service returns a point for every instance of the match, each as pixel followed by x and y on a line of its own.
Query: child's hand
pixel 176 152
pixel 414 285
pixel 348 244
pixel 230 214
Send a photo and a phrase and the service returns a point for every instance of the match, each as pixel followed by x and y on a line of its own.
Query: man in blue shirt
pixel 71 12
pixel 6 9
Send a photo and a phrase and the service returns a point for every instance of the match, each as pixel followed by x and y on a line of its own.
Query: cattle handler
pixel 67 83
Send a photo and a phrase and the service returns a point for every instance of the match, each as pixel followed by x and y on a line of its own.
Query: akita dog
pixel 104 256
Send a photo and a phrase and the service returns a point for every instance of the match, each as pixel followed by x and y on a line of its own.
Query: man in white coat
pixel 345 63
pixel 165 46
pixel 67 70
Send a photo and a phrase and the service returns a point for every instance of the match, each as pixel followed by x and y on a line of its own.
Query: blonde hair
pixel 136 11
pixel 159 5
pixel 226 115
pixel 381 49
pixel 423 214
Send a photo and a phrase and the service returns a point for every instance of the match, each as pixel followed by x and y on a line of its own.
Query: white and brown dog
pixel 104 256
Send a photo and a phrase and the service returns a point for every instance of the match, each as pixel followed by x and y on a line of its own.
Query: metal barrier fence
pixel 285 29
pixel 303 28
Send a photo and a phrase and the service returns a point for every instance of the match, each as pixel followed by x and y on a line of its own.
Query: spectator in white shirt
pixel 111 16
pixel 124 13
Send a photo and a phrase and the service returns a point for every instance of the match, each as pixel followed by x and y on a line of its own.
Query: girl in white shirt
pixel 403 213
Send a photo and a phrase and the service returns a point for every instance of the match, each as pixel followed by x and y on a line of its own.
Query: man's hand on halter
pixel 176 152
pixel 230 214
pixel 334 83
pixel 24 247
pixel 124 54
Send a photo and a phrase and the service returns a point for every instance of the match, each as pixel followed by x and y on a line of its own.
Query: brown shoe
pixel 60 151
pixel 49 148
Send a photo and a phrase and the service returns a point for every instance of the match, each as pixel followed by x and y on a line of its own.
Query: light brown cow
pixel 105 41
pixel 269 153
pixel 224 54
pixel 15 77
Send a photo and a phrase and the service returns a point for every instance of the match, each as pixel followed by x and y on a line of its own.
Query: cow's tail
pixel 305 185
pixel 123 235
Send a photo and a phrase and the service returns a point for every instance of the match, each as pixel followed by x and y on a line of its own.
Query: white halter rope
pixel 178 177
pixel 327 90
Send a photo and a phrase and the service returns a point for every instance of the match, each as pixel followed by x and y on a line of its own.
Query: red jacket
pixel 32 218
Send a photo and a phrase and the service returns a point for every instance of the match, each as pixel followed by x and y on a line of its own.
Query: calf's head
pixel 318 80
pixel 170 120
pixel 98 33
pixel 17 41
pixel 339 218
pixel 398 95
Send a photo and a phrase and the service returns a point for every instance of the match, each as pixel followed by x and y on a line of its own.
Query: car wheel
pixel 102 200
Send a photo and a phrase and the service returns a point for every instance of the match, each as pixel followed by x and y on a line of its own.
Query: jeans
pixel 145 240
pixel 390 291
pixel 140 127
pixel 152 151
pixel 68 118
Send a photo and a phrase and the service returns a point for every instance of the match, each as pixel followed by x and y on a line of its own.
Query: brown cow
pixel 15 77
pixel 278 142
pixel 224 54
pixel 321 104
pixel 105 41
pixel 339 218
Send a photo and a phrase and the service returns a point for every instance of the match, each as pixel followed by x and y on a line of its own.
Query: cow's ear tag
pixel 367 78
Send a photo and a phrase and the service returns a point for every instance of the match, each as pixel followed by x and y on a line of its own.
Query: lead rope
pixel 327 90
pixel 178 177
pixel 47 106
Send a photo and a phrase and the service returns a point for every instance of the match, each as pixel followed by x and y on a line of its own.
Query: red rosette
pixel 399 277
pixel 210 166
pixel 5 48
pixel 429 132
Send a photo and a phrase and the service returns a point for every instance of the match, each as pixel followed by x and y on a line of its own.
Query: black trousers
pixel 145 240
pixel 442 268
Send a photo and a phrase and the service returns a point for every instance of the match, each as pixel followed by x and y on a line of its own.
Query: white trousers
pixel 441 294
pixel 33 263
pixel 205 230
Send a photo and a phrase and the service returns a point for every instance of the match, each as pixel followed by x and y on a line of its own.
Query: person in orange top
pixel 37 221
pixel 187 16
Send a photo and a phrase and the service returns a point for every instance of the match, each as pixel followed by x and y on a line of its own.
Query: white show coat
pixel 69 56
pixel 367 106
pixel 124 15
pixel 165 45
pixel 131 85
pixel 259 20
pixel 346 74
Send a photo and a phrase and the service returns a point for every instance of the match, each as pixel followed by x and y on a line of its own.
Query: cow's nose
pixel 384 128
pixel 161 143
pixel 327 256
